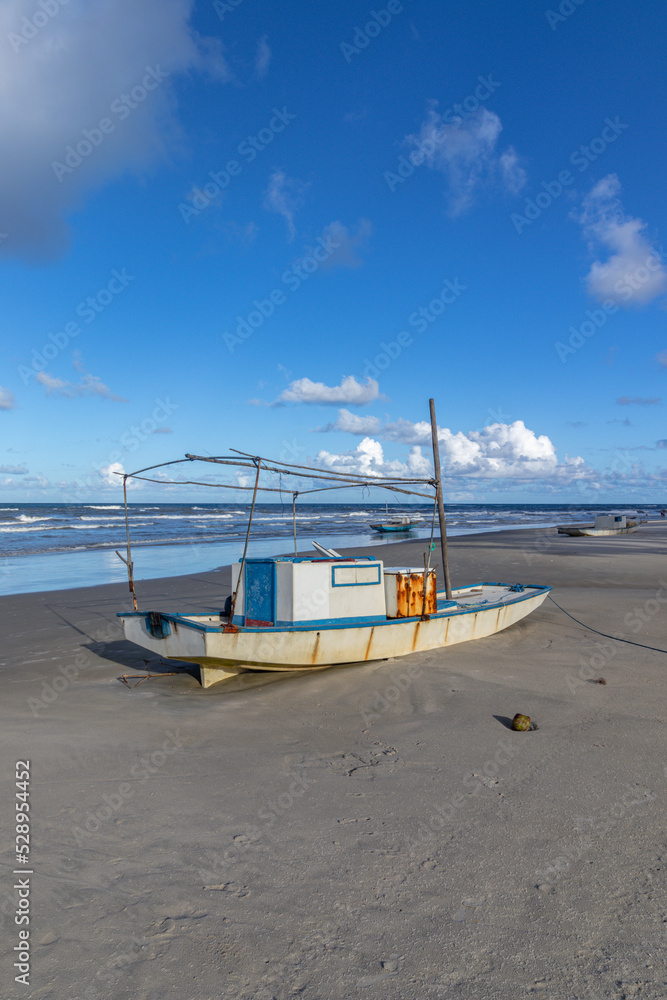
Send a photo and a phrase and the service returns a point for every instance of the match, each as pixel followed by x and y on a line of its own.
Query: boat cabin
pixel 293 590
pixel 611 521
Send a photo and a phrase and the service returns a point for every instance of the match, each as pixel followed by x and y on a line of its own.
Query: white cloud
pixel 284 195
pixel 6 399
pixel 36 482
pixel 513 175
pixel 638 401
pixel 465 151
pixel 111 475
pixel 89 385
pixel 351 423
pixel 368 460
pixel 70 75
pixel 262 58
pixel 349 243
pixel 499 451
pixel 14 470
pixel 634 272
pixel 350 391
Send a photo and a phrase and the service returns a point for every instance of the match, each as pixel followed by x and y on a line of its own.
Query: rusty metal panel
pixel 404 591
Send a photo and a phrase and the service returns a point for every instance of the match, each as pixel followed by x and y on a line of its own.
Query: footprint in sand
pixel 390 967
pixel 470 909
pixel 238 891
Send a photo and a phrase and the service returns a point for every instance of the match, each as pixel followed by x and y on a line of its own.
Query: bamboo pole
pixel 294 496
pixel 128 561
pixel 245 548
pixel 441 506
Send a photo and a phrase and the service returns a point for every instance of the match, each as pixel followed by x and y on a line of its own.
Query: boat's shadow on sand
pixel 129 658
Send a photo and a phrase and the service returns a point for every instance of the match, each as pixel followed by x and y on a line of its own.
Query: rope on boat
pixel 343 480
pixel 247 539
pixel 294 496
pixel 128 561
pixel 605 634
pixel 427 560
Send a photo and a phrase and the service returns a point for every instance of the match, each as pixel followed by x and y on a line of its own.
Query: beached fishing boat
pixel 306 613
pixel 605 524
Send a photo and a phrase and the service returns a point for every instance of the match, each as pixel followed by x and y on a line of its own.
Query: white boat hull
pixel 201 638
pixel 590 532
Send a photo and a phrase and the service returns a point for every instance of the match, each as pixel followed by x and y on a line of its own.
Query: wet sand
pixel 374 830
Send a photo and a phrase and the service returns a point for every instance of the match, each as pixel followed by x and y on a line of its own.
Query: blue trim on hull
pixel 450 611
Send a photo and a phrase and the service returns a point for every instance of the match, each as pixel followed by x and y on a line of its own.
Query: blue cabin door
pixel 259 593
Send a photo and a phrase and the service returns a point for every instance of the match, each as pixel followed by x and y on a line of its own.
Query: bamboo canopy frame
pixel 258 464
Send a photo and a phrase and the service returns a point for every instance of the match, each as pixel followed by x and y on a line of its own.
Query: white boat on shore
pixel 605 525
pixel 296 613
pixel 313 627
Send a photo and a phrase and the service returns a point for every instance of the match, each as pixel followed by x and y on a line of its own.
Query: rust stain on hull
pixel 313 659
pixel 416 636
pixel 368 647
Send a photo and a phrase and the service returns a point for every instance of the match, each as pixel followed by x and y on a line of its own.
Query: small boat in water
pixel 605 525
pixel 397 524
pixel 300 613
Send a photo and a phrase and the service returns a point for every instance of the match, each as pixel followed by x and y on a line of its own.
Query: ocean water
pixel 55 546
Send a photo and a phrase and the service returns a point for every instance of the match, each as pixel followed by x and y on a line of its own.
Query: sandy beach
pixel 372 831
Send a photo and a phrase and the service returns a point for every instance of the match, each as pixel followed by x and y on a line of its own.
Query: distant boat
pixel 397 524
pixel 401 522
pixel 605 525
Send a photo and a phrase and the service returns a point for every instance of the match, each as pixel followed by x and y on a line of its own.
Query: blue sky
pixel 284 229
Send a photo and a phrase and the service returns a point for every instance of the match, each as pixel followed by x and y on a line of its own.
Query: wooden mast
pixel 128 562
pixel 441 506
